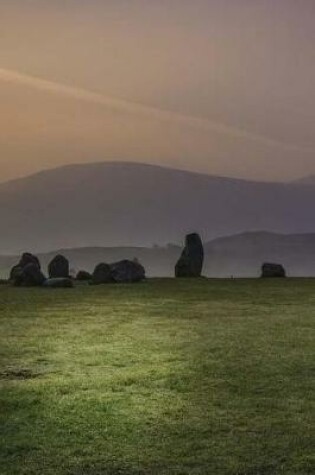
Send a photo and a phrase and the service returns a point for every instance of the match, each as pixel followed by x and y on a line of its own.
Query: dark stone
pixel 102 274
pixel 127 271
pixel 269 270
pixel 58 282
pixel 28 258
pixel 83 275
pixel 191 261
pixel 58 267
pixel 15 273
pixel 27 272
pixel 29 276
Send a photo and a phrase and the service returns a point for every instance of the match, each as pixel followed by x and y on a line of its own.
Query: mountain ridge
pixel 122 163
pixel 130 204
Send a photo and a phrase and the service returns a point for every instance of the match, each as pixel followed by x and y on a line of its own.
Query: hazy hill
pixel 239 256
pixel 307 180
pixel 126 204
pixel 243 254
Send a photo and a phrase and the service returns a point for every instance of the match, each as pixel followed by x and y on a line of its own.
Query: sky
pixel 224 87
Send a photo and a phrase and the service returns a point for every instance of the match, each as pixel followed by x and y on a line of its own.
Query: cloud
pixel 130 107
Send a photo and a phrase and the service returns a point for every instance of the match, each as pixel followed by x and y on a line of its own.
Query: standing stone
pixel 127 271
pixel 29 276
pixel 102 274
pixel 58 267
pixel 191 261
pixel 28 258
pixel 270 270
pixel 15 273
pixel 27 272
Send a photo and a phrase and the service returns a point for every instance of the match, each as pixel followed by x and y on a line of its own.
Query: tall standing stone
pixel 58 267
pixel 191 261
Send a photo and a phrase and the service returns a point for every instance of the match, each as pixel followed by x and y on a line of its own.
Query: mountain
pixel 240 256
pixel 129 204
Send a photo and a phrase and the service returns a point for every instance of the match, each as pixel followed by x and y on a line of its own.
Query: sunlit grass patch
pixel 181 377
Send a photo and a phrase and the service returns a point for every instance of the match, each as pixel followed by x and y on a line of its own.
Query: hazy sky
pixel 222 86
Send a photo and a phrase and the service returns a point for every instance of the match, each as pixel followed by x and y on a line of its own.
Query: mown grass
pixel 164 377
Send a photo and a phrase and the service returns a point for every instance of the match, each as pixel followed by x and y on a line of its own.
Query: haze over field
pixel 222 87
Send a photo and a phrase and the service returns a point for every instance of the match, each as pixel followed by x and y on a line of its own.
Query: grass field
pixel 165 377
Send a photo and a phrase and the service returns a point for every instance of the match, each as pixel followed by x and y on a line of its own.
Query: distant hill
pixel 243 254
pixel 307 180
pixel 128 204
pixel 240 256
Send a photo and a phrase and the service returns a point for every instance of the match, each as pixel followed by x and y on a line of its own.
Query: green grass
pixel 165 377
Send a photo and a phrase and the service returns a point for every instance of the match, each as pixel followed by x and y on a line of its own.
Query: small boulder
pixel 126 271
pixel 270 270
pixel 191 261
pixel 102 274
pixel 28 258
pixel 58 267
pixel 83 275
pixel 58 283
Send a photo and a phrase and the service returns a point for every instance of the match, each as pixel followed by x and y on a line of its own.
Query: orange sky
pixel 222 86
